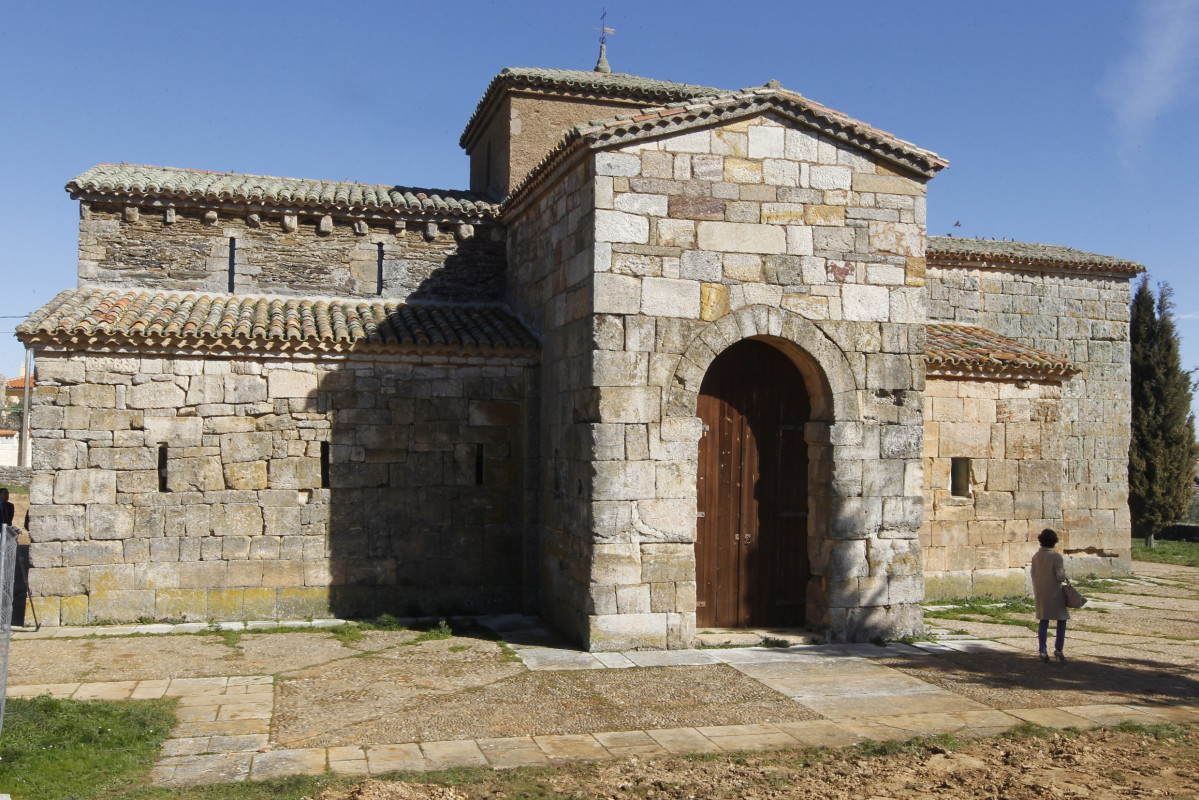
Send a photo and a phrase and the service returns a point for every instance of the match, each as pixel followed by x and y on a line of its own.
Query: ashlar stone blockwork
pixel 750 229
pixel 1085 318
pixel 233 487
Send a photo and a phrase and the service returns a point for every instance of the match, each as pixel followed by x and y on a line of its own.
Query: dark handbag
pixel 1074 598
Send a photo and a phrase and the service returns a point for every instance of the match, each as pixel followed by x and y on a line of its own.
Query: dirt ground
pixel 1098 765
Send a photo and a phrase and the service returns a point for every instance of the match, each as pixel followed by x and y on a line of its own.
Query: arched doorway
pixel 752 547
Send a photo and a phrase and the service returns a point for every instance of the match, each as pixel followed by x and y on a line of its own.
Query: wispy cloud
pixel 1157 70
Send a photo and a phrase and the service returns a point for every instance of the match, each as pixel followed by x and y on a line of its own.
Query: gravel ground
pixel 468 688
pixel 117 658
pixel 1098 765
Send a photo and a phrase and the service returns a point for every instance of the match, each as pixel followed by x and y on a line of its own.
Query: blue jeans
pixel 1043 632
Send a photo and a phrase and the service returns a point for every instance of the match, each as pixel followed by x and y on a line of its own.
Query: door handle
pixel 747 538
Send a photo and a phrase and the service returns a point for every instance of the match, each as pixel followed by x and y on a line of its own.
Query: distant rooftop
pixel 954 250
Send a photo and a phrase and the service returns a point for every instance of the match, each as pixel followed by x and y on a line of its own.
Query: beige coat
pixel 1048 573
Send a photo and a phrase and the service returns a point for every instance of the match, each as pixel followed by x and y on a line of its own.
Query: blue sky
pixel 1069 122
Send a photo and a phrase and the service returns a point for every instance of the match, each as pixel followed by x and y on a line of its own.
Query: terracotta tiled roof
pixel 967 349
pixel 169 183
pixel 217 319
pixel 951 251
pixel 615 85
pixel 688 114
pixel 19 382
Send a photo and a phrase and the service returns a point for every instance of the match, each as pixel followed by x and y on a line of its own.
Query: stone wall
pixel 550 250
pixel 980 544
pixel 14 476
pixel 522 129
pixel 291 487
pixel 188 249
pixel 1083 316
pixel 706 237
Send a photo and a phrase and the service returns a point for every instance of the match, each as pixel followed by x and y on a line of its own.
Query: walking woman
pixel 1048 574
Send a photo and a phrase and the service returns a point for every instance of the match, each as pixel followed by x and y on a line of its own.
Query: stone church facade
pixel 679 357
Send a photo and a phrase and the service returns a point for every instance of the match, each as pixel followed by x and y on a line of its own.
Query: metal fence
pixel 8 571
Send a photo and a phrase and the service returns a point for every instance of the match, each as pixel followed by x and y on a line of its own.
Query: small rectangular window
pixel 232 262
pixel 324 465
pixel 959 477
pixel 379 271
pixel 162 468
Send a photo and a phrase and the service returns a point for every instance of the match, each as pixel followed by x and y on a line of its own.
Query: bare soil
pixel 1100 765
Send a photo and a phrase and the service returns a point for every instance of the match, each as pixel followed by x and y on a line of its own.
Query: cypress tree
pixel 1162 452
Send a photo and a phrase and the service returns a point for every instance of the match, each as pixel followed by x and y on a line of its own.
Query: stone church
pixel 680 357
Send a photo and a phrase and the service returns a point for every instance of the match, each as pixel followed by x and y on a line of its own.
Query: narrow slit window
pixel 324 465
pixel 379 275
pixel 232 262
pixel 162 468
pixel 959 477
pixel 478 465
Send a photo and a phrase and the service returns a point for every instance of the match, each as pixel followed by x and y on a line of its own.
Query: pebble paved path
pixel 223 733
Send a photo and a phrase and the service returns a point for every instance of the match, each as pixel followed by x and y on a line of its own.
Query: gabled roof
pixel 685 115
pixel 579 83
pixel 139 182
pixel 19 382
pixel 968 350
pixel 951 251
pixel 220 320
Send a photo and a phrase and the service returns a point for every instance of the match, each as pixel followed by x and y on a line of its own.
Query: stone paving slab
pixel 680 741
pixel 463 753
pixel 571 747
pixel 514 751
pixel 671 658
pixel 1050 717
pixel 279 763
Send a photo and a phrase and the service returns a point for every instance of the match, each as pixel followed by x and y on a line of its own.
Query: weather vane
pixel 602 64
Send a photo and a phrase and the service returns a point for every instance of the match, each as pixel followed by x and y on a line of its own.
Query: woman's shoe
pixel 1045 657
pixel 1058 655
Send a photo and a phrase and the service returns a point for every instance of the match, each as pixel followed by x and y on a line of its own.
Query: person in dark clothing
pixel 7 510
pixel 20 589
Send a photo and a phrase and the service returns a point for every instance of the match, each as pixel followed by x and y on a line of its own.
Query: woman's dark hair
pixel 1048 537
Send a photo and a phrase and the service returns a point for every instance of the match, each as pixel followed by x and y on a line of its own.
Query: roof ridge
pixel 144 180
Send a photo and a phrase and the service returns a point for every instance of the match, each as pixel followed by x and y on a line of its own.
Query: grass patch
pixel 13 489
pixel 987 609
pixel 1031 730
pixel 1154 730
pixel 294 787
pixel 912 639
pixel 916 746
pixel 1185 554
pixel 774 641
pixel 54 749
pixel 441 630
pixel 229 638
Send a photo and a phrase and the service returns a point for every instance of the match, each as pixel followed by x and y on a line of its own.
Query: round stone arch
pixel 835 404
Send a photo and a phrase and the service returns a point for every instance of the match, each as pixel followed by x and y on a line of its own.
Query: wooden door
pixel 751 548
